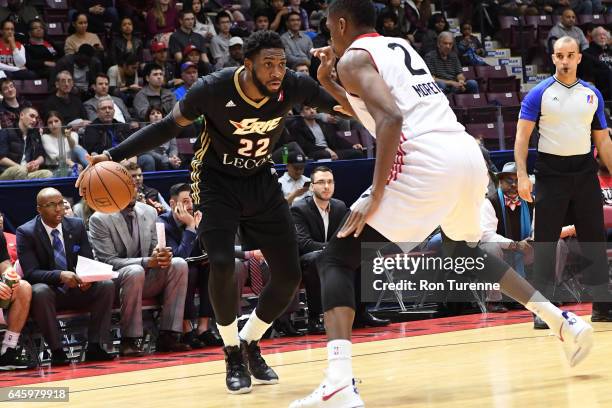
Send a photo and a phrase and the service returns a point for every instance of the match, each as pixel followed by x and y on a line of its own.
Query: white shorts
pixel 442 182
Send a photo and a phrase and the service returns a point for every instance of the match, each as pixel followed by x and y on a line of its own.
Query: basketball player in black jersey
pixel 235 185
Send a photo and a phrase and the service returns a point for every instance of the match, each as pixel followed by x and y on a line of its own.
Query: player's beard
pixel 261 87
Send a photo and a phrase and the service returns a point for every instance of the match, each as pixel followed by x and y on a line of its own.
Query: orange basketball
pixel 107 187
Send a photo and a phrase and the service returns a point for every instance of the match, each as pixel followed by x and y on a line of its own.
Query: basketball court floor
pixel 494 360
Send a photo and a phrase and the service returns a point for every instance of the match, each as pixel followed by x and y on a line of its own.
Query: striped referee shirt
pixel 447 69
pixel 565 114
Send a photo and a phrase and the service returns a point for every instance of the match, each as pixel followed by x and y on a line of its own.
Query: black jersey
pixel 238 133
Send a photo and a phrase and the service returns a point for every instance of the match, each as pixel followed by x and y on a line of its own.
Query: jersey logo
pixel 230 104
pixel 253 125
pixel 590 98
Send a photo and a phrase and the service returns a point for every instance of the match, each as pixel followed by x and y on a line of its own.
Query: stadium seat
pixel 510 133
pixel 503 98
pixel 486 114
pixel 184 146
pixel 468 72
pixel 57 31
pixel 498 71
pixel 35 87
pixel 505 84
pixel 460 113
pixel 510 113
pixel 528 36
pixel 609 18
pixel 556 18
pixel 57 4
pixel 489 134
pixel 470 100
pixel 539 21
pixel 505 22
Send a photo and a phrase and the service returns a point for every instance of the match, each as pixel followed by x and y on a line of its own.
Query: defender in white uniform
pixel 420 147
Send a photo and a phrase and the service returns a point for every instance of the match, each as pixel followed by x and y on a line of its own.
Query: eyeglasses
pixel 59 204
pixel 324 182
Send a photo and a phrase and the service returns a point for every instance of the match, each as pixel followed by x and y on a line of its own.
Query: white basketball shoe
pixel 577 338
pixel 343 394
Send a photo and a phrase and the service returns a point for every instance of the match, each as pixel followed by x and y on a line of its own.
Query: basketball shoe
pixel 237 378
pixel 342 394
pixel 257 366
pixel 577 338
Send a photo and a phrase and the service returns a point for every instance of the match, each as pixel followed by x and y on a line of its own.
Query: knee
pixel 222 265
pixel 24 291
pixel 471 86
pixel 146 162
pixel 107 288
pixel 41 292
pixel 133 274
pixel 179 269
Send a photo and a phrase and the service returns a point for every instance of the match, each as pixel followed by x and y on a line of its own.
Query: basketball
pixel 107 187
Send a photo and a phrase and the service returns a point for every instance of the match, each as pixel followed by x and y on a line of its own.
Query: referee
pixel 570 116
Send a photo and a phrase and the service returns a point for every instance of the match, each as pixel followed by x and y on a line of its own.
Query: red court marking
pixel 161 360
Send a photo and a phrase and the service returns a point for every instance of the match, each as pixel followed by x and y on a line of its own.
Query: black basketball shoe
pixel 237 378
pixel 259 369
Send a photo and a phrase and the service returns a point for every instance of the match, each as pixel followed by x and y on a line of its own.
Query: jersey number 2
pixel 408 60
pixel 246 148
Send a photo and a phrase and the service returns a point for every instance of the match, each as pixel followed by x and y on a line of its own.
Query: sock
pixel 10 341
pixel 229 333
pixel 548 312
pixel 339 360
pixel 254 328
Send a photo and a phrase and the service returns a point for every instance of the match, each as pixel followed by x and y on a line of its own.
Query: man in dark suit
pixel 181 224
pixel 48 248
pixel 319 140
pixel 317 218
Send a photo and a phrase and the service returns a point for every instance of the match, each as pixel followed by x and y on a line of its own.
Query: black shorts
pixel 256 204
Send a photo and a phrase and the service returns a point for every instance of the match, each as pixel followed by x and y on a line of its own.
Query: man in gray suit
pixel 127 240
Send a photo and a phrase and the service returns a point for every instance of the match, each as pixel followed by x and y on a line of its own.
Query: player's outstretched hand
pixel 525 187
pixel 359 215
pixel 92 160
pixel 328 62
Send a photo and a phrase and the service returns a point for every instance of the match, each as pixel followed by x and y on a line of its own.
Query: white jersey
pixel 423 105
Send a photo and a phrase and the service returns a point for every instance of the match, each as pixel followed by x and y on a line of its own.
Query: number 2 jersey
pixel 238 133
pixel 423 105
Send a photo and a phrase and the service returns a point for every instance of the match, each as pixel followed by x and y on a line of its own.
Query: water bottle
pixel 285 154
pixel 9 278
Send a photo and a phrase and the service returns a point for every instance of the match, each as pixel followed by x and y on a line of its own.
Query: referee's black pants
pixel 568 191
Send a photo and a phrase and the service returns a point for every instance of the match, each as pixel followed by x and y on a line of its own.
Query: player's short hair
pixel 261 40
pixel 220 15
pixel 361 12
pixel 178 188
pixel 320 169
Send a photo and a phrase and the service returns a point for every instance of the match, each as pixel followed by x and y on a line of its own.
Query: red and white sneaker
pixel 577 338
pixel 342 394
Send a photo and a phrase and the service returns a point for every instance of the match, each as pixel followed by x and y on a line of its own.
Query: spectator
pixel 194 55
pixel 294 183
pixel 83 66
pixel 41 54
pixel 48 247
pixel 436 25
pixel 137 10
pixel 262 21
pixel 153 93
pixel 323 38
pixel 123 79
pixel 318 139
pixel 181 224
pixel 600 48
pixel 236 57
pixel 66 102
pixel 21 152
pixel 446 68
pixel 302 68
pixel 506 228
pixel 277 14
pixel 294 5
pixel 219 45
pixel 80 35
pixel 122 115
pixel 587 7
pixel 127 240
pixel 159 52
pixel 189 75
pixel 11 104
pixel 125 42
pixel 388 25
pixel 184 36
pixel 161 21
pixel 469 47
pixel 163 157
pixel 105 131
pixel 145 194
pixel 417 15
pixel 20 295
pixel 11 240
pixel 99 13
pixel 83 211
pixel 68 207
pixel 13 54
pixel 567 26
pixel 203 24
pixel 398 10
pixel 72 151
pixel 20 12
pixel 297 43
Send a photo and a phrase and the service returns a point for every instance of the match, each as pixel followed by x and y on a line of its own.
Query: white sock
pixel 339 360
pixel 229 333
pixel 254 328
pixel 548 312
pixel 10 341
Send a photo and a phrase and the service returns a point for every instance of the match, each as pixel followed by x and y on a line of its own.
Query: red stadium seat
pixel 506 22
pixel 503 98
pixel 489 134
pixel 539 21
pixel 470 100
pixel 510 113
pixel 491 72
pixel 468 72
pixel 35 87
pixel 507 84
pixel 486 114
pixel 57 4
